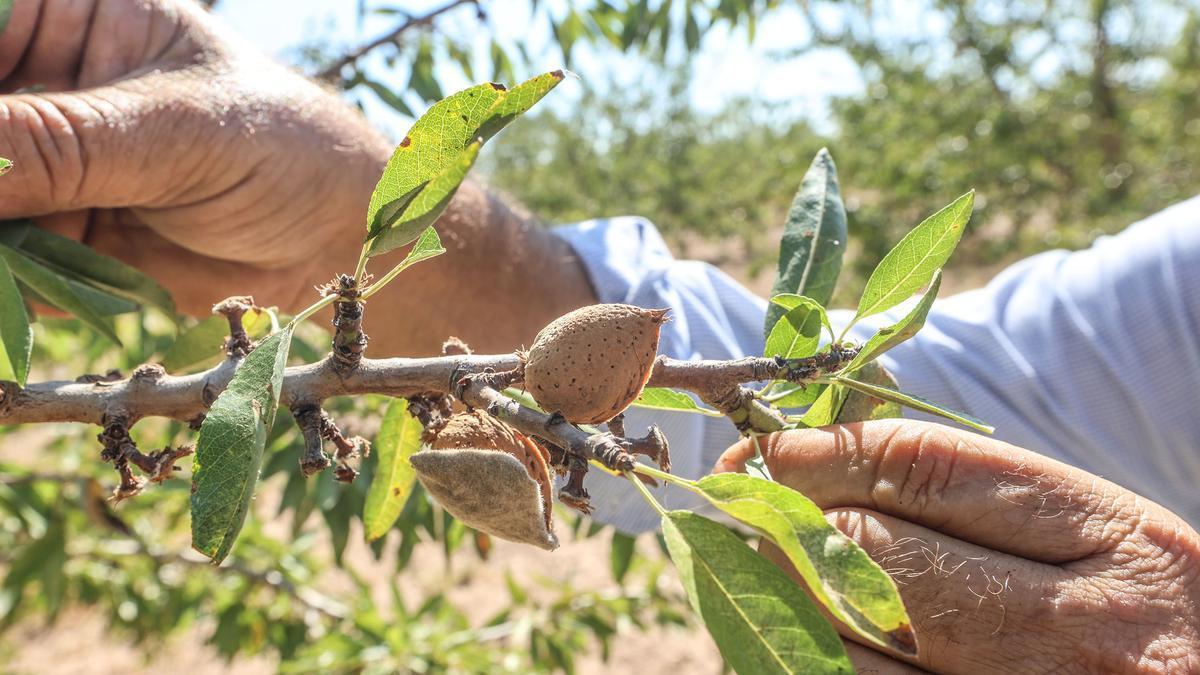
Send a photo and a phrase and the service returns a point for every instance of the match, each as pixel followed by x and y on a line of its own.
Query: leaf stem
pixel 385 279
pixel 314 308
pixel 666 477
pixel 646 494
pixel 361 268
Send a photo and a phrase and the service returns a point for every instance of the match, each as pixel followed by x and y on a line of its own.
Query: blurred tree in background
pixel 1070 118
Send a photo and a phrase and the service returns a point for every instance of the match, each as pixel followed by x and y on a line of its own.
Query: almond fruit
pixel 590 364
pixel 491 477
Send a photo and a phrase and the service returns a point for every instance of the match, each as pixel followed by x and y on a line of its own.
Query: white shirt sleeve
pixel 1091 357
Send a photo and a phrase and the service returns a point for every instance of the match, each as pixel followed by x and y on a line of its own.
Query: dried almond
pixel 590 364
pixel 491 477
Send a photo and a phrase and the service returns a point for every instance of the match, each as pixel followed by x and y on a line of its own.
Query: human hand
pixel 148 132
pixel 1007 560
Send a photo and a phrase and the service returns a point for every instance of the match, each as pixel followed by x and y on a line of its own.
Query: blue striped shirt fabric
pixel 1089 357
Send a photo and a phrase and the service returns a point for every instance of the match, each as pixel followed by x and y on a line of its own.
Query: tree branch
pixel 334 69
pixel 150 392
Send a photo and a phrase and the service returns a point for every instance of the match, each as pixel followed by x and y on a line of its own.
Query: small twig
pixel 334 69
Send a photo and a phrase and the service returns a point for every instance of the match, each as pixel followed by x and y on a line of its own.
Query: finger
pixel 105 147
pixel 975 488
pixel 870 662
pixel 971 608
pixel 58 45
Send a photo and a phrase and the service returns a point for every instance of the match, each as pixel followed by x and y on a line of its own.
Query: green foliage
pixel 433 159
pixel 814 238
pixel 913 262
pixel 16 337
pixel 54 290
pixel 760 619
pixel 796 333
pixel 398 438
pixel 914 402
pixel 905 328
pixel 660 398
pixel 840 574
pixel 230 447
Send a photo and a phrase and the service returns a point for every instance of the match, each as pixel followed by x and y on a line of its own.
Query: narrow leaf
pixel 661 398
pixel 52 287
pixel 5 164
pixel 16 337
pixel 814 238
pixel 916 403
pixel 398 438
pixel 839 573
pixel 13 232
pixel 517 101
pixel 102 302
pixel 230 448
pixel 427 205
pixel 762 622
pixel 789 301
pixel 912 262
pixel 898 332
pixel 85 264
pixel 860 407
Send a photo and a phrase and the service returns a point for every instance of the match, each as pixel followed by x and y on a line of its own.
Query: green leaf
pixel 839 573
pixel 398 438
pixel 898 332
pixel 83 263
pixel 427 205
pixel 230 448
pixel 620 556
pixel 200 346
pixel 661 398
pixel 860 407
pixel 796 334
pixel 790 301
pixel 761 621
pixel 439 137
pixel 824 411
pixel 814 238
pixel 5 14
pixel 52 287
pixel 5 164
pixel 916 403
pixel 101 302
pixel 912 262
pixel 13 232
pixel 386 95
pixel 16 337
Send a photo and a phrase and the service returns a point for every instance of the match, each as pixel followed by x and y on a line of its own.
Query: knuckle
pixel 48 146
pixel 916 465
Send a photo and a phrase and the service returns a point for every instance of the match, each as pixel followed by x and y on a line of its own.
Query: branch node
pixel 113 375
pixel 148 372
pixel 233 309
pixel 574 494
pixel 349 340
pixel 309 419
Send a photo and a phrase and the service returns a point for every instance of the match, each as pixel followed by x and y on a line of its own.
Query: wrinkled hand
pixel 1007 561
pixel 143 129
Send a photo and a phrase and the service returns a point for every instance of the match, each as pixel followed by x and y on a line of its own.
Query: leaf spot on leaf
pixel 406 142
pixel 498 87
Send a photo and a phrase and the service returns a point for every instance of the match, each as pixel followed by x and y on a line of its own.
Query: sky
pixel 727 66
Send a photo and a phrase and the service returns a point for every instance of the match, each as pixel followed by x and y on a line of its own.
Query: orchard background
pixel 1070 119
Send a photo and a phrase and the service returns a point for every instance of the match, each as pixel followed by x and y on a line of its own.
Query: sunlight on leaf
pixel 912 262
pixel 905 328
pixel 230 448
pixel 661 398
pixel 916 403
pixel 761 620
pixel 398 439
pixel 842 576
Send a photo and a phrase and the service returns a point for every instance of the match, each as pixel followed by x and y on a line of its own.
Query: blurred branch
pixel 334 69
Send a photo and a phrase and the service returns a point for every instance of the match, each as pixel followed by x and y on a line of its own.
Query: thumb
pixel 81 149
